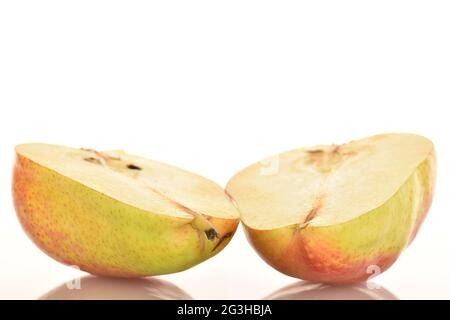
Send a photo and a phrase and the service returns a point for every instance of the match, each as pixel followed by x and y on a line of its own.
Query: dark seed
pixel 133 167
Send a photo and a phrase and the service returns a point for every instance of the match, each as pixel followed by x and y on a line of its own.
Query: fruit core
pixel 328 158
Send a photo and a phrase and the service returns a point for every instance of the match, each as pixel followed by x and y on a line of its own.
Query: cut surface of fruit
pixel 145 184
pixel 328 185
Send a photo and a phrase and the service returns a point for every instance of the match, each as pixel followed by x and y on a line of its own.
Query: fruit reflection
pixel 304 290
pixel 99 288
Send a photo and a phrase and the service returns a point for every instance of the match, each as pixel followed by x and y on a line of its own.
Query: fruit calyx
pixel 200 222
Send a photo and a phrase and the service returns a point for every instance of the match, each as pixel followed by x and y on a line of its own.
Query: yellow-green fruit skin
pixel 81 227
pixel 355 250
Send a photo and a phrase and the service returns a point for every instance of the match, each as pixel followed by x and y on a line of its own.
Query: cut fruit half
pixel 329 212
pixel 115 214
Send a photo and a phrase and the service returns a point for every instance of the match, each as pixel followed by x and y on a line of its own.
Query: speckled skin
pixel 341 254
pixel 79 226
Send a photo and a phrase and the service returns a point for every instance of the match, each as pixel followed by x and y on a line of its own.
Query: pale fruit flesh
pixel 113 214
pixel 338 214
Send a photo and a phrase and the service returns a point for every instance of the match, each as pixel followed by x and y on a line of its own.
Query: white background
pixel 212 86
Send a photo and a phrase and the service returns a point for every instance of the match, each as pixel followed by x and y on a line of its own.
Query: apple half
pixel 114 214
pixel 337 214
